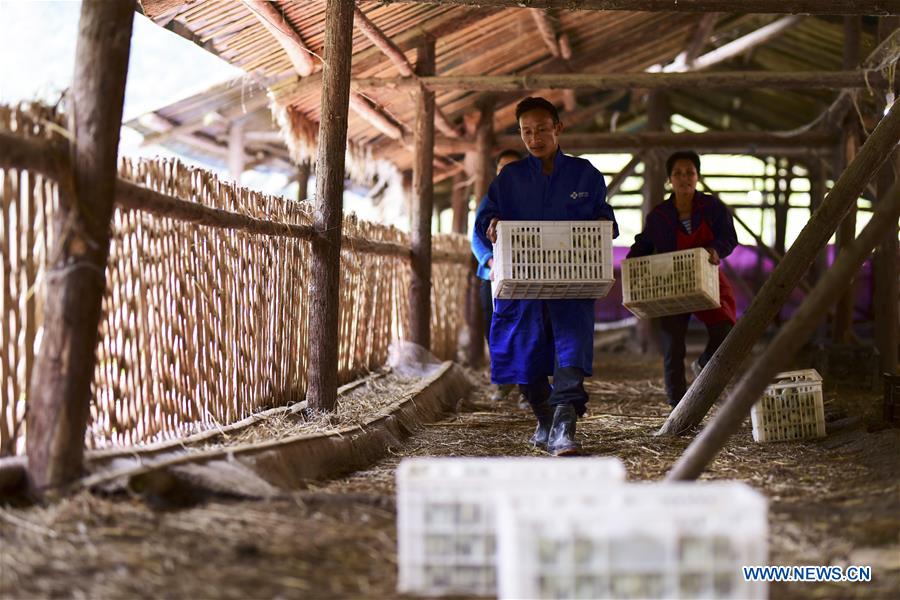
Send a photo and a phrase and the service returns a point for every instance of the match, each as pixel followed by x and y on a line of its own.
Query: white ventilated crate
pixel 447 508
pixel 791 408
pixel 670 283
pixel 553 259
pixel 651 540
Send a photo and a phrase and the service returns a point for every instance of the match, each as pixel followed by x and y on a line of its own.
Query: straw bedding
pixel 833 501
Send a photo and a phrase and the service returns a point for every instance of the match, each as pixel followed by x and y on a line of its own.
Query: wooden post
pixel 778 287
pixel 304 170
pixel 787 343
pixel 654 193
pixel 816 196
pixel 782 196
pixel 850 135
pixel 236 150
pixel 422 205
pixel 483 175
pixel 884 267
pixel 325 265
pixel 459 202
pixel 884 262
pixel 75 282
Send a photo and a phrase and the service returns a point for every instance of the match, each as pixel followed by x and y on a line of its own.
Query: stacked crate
pixel 654 540
pixel 447 514
pixel 553 259
pixel 670 283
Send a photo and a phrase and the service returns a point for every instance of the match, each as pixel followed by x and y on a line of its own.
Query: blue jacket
pixel 483 251
pixel 529 338
pixel 661 226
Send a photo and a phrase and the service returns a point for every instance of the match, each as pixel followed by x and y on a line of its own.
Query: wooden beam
pixel 809 7
pixel 422 206
pixel 739 46
pixel 284 33
pixel 325 263
pixel 801 80
pixel 75 282
pixel 708 141
pixel 699 39
pixel 547 31
pixel 787 344
pixel 626 172
pixel 783 279
pixel 398 58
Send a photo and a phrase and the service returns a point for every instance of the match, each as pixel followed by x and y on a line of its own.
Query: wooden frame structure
pixel 58 409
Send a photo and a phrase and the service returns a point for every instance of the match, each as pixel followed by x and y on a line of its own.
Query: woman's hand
pixel 492 230
pixel 713 256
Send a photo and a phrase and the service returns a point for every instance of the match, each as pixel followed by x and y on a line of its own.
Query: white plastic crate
pixel 791 408
pixel 553 259
pixel 652 540
pixel 447 507
pixel 670 283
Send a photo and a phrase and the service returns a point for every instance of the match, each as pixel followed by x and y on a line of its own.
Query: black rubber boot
pixel 562 432
pixel 544 414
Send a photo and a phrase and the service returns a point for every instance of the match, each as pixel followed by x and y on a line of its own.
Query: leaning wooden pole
pixel 326 247
pixel 75 283
pixel 422 205
pixel 787 343
pixel 784 278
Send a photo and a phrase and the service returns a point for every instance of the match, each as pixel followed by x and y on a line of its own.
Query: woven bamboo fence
pixel 201 325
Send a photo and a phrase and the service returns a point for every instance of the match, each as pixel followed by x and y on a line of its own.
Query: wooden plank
pixel 326 248
pixel 784 278
pixel 422 205
pixel 810 7
pixel 801 80
pixel 75 283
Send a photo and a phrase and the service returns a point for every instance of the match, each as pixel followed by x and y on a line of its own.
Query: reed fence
pixel 203 324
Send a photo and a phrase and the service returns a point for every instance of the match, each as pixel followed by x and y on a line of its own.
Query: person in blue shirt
pixel 484 254
pixel 689 219
pixel 533 339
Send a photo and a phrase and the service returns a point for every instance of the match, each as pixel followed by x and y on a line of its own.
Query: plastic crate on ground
pixel 553 259
pixel 791 408
pixel 447 507
pixel 670 283
pixel 650 540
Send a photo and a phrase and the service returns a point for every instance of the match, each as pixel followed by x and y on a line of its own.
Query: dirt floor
pixel 832 502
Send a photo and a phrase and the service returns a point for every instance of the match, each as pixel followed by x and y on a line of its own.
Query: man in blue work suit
pixel 533 339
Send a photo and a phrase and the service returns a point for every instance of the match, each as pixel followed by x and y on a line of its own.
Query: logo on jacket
pixel 576 195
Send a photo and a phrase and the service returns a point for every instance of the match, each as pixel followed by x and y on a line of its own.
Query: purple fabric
pixel 745 261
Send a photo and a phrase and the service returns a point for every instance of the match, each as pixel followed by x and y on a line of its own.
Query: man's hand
pixel 490 266
pixel 492 230
pixel 713 256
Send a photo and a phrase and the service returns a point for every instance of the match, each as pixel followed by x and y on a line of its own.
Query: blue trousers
pixel 567 388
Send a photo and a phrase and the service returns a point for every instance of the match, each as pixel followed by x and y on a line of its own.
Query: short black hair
pixel 682 155
pixel 508 152
pixel 535 102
